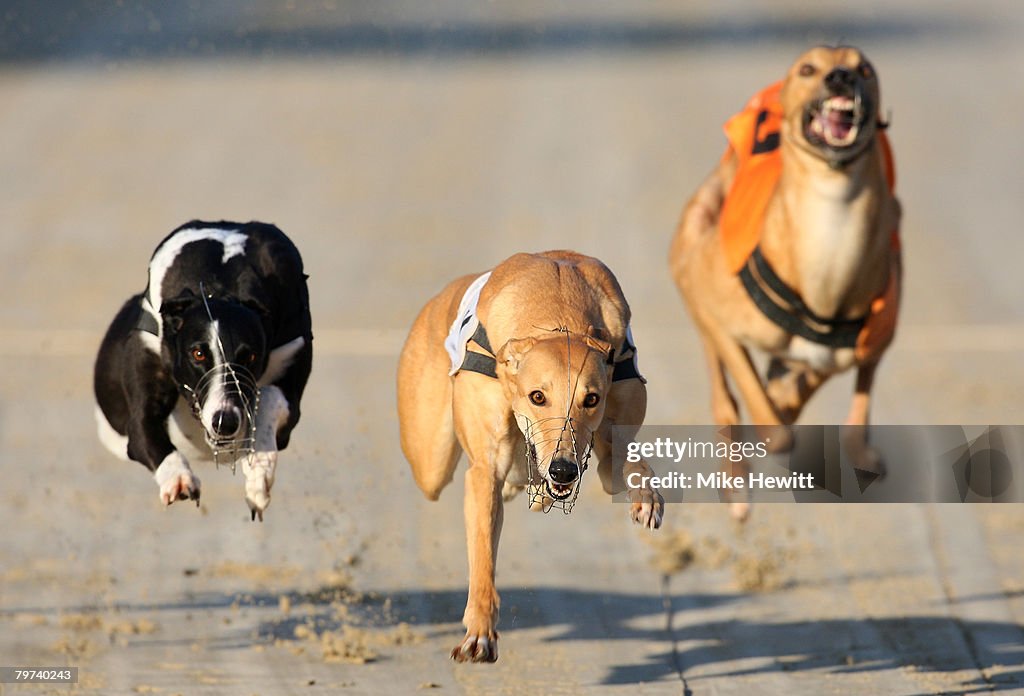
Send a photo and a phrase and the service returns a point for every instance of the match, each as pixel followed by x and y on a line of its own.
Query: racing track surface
pixel 399 147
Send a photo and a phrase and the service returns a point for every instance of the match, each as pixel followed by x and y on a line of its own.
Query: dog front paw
pixel 184 486
pixel 176 480
pixel 777 438
pixel 508 491
pixel 647 507
pixel 740 504
pixel 259 473
pixel 740 511
pixel 477 647
pixel 865 458
pixel 870 462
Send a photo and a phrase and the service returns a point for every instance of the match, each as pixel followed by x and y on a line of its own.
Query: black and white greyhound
pixel 215 352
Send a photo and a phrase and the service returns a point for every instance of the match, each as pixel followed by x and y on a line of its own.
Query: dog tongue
pixel 838 123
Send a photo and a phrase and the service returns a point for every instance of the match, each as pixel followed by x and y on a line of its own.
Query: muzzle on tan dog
pixel 554 480
pixel 557 387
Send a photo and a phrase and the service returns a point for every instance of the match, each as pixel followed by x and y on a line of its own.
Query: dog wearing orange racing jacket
pixel 791 246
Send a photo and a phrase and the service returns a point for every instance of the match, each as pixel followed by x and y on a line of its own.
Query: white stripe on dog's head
pixel 215 400
pixel 232 241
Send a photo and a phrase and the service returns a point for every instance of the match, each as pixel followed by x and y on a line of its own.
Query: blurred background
pixel 401 144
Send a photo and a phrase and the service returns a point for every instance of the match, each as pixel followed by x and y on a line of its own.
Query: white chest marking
pixel 835 229
pixel 186 433
pixel 821 358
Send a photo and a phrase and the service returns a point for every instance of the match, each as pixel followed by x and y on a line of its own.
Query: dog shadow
pixel 929 644
pixel 696 651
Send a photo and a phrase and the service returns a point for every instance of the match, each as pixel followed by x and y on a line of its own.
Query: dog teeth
pixel 839 104
pixel 841 107
pixel 558 491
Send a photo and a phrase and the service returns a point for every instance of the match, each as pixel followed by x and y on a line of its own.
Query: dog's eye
pixel 247 358
pixel 537 398
pixel 866 71
pixel 806 70
pixel 198 354
pixel 591 400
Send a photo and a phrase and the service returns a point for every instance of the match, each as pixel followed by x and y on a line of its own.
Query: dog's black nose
pixel 226 422
pixel 563 471
pixel 840 78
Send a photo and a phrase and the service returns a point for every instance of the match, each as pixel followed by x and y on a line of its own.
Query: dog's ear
pixel 510 355
pixel 172 310
pixel 596 340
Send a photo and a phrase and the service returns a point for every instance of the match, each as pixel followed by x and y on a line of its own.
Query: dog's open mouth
pixel 555 491
pixel 559 491
pixel 544 492
pixel 834 121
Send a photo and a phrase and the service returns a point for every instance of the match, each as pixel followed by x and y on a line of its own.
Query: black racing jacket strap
pixel 481 363
pixel 794 317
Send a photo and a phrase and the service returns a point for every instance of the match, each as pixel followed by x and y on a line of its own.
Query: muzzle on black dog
pixel 226 401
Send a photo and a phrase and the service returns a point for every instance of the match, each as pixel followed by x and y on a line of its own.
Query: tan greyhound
pixel 790 247
pixel 562 372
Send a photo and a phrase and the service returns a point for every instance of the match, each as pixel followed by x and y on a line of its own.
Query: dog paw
pixel 865 458
pixel 777 438
pixel 647 507
pixel 259 471
pixel 869 461
pixel 740 505
pixel 183 486
pixel 740 511
pixel 508 491
pixel 176 480
pixel 477 648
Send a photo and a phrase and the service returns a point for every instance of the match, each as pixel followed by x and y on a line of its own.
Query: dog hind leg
pixel 790 387
pixel 425 405
pixel 854 432
pixel 735 358
pixel 724 409
pixel 434 465
pixel 114 441
pixel 763 415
